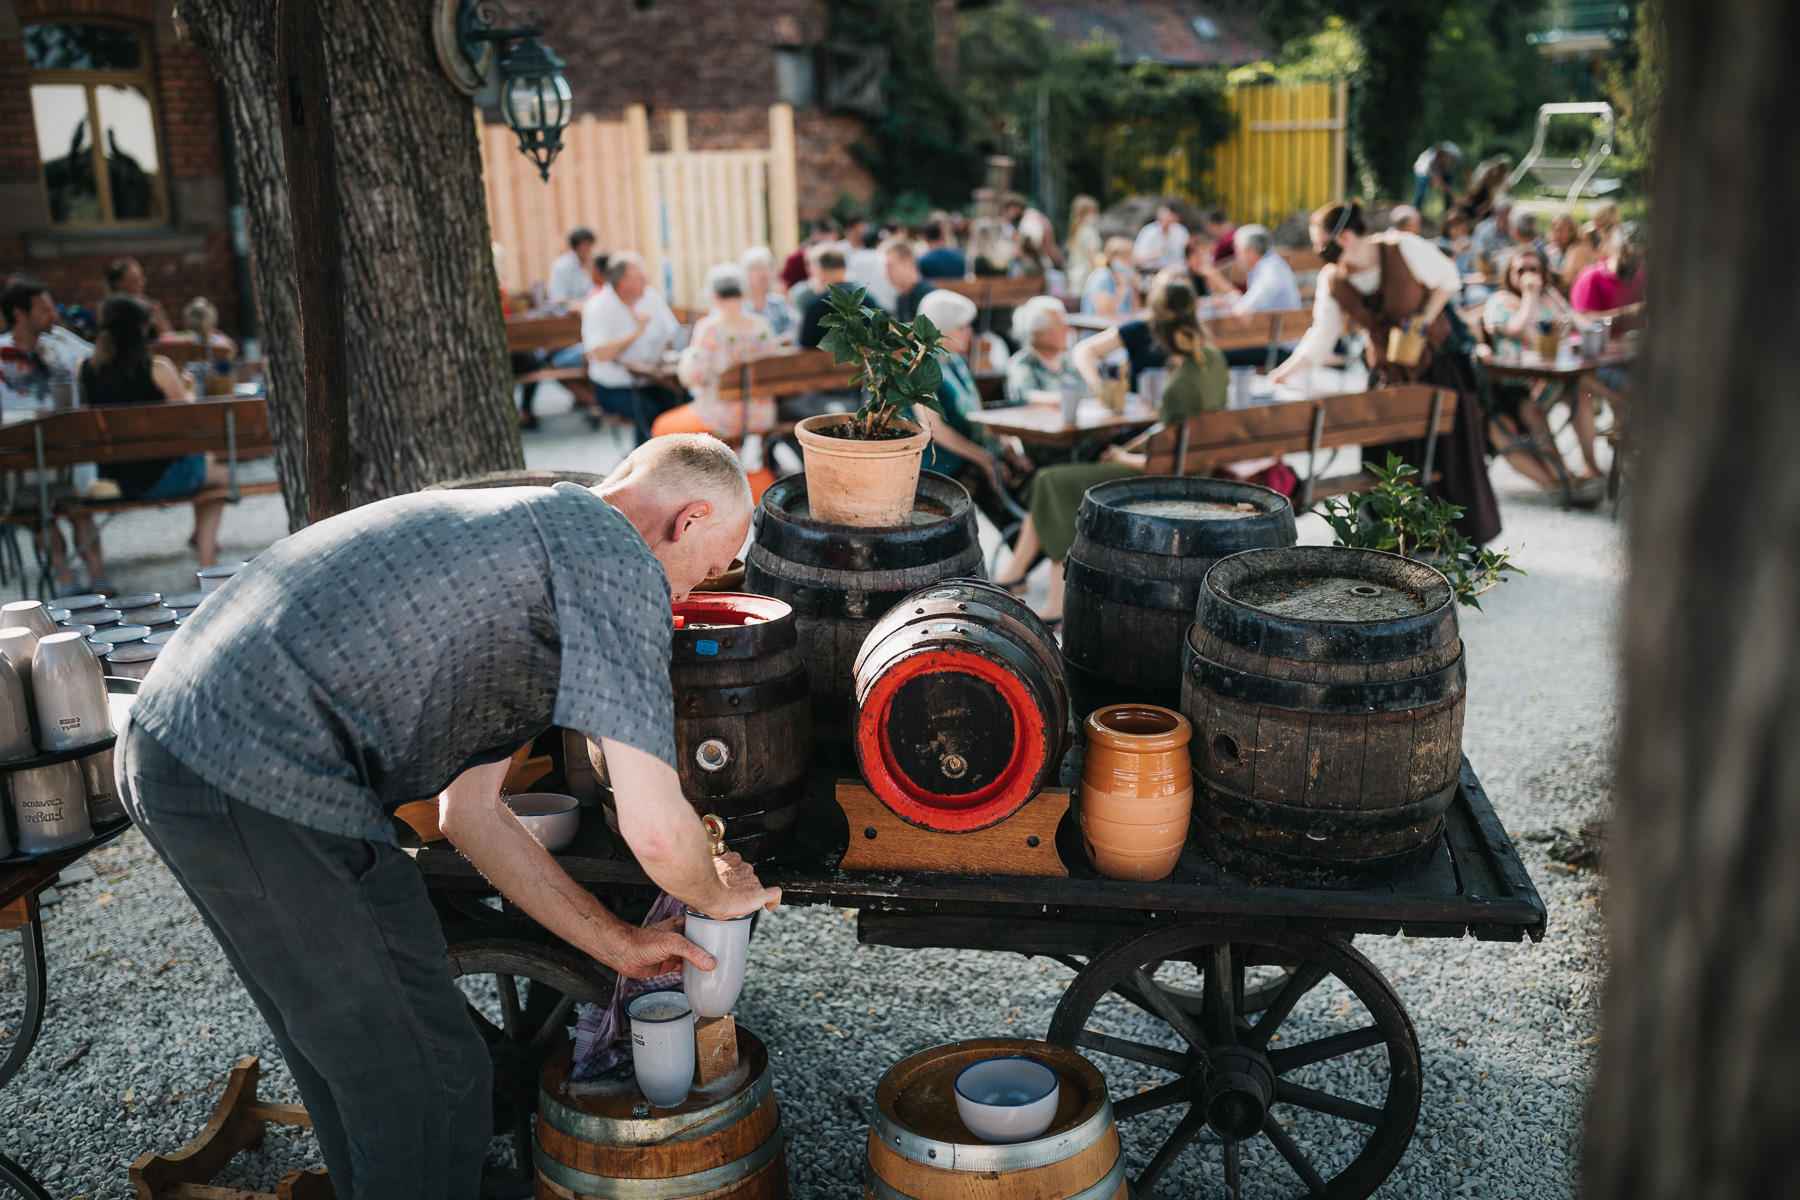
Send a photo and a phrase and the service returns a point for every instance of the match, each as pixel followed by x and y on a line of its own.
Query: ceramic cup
pixel 15 715
pixel 50 808
pixel 19 645
pixel 217 576
pixel 662 1046
pixel 69 692
pixel 75 627
pixel 1137 790
pixel 712 993
pixel 103 803
pixel 99 618
pixel 134 600
pixel 186 602
pixel 153 617
pixel 78 603
pixel 108 636
pixel 27 614
pixel 132 661
pixel 161 637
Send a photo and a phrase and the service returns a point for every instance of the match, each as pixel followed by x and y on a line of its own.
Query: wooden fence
pixel 682 209
pixel 1286 154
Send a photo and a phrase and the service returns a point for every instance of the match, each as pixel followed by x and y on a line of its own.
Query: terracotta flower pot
pixel 853 482
pixel 1137 790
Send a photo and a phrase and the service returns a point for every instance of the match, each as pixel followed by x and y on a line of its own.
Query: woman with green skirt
pixel 1198 382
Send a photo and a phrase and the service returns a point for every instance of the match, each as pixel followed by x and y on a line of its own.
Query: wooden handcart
pixel 1230 1019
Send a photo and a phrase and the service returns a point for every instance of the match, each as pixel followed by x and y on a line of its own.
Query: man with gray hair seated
pixel 1042 364
pixel 628 324
pixel 1493 237
pixel 403 651
pixel 1269 286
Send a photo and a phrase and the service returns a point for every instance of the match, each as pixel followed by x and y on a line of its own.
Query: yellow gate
pixel 1286 154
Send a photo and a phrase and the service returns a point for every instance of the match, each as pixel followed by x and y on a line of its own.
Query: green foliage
pixel 1113 129
pixel 899 362
pixel 1401 518
pixel 1387 95
pixel 1484 82
pixel 1634 86
pixel 1325 55
pixel 921 143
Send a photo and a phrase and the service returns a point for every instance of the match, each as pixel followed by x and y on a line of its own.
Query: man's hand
pixel 744 892
pixel 659 949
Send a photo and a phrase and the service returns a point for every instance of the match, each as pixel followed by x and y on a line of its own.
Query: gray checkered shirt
pixel 367 660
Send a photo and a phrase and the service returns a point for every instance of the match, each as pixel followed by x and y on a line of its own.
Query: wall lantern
pixel 526 85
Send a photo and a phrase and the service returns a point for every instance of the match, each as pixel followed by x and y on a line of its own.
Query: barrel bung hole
pixel 1365 589
pixel 1224 750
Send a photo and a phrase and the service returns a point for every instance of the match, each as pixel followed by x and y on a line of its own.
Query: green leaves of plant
pixel 899 361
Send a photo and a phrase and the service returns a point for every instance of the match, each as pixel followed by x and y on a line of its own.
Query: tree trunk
pixel 1696 1093
pixel 430 390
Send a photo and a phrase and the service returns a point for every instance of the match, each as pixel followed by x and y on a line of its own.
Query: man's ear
pixel 687 517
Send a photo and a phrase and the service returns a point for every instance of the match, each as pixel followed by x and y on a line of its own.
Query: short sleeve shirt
pixel 369 659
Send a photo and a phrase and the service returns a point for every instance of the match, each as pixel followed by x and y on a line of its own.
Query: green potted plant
pixel 862 468
pixel 1400 517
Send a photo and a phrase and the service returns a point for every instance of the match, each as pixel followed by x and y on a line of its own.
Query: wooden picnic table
pixel 1043 424
pixel 1562 378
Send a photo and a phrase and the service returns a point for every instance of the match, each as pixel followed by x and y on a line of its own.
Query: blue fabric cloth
pixel 946 262
pixel 183 477
pixel 956 397
pixel 369 659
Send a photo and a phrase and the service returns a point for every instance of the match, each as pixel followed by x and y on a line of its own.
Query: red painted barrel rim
pixel 728 608
pixel 951 814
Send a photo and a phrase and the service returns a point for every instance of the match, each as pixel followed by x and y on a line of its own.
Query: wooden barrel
pixel 840 580
pixel 497 479
pixel 919 1148
pixel 962 709
pixel 743 732
pixel 1325 686
pixel 1133 576
pixel 724 1140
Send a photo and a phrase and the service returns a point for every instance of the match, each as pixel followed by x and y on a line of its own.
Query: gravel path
pixel 146 1019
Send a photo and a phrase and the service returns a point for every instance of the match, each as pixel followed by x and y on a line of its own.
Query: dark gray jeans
pixel 336 942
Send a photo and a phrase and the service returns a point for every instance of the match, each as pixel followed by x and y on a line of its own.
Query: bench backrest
pixel 1204 443
pixel 1254 330
pixel 525 334
pixel 132 432
pixel 794 374
pixel 995 292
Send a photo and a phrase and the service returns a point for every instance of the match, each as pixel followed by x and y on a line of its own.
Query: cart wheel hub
pixel 1237 1092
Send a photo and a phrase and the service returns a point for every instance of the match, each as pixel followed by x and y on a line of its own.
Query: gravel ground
pixel 146 1019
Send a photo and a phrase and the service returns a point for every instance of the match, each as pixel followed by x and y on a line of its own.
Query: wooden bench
pixel 1253 331
pixel 993 294
pixel 525 334
pixel 233 430
pixel 1203 444
pixel 794 374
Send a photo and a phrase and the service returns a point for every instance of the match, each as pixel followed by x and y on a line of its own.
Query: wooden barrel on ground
pixel 496 479
pixel 1133 576
pixel 840 579
pixel 724 1140
pixel 919 1149
pixel 743 729
pixel 962 707
pixel 1325 686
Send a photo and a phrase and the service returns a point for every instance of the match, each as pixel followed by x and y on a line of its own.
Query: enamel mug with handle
pixel 27 614
pixel 49 807
pixel 69 692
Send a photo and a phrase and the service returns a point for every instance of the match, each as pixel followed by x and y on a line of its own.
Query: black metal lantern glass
pixel 534 100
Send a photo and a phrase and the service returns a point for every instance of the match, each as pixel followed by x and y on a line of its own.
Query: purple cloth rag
pixel 601 1046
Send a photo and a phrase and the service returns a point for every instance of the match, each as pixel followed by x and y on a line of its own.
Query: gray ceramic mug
pixel 69 692
pixel 15 715
pixel 103 803
pixel 50 808
pixel 27 614
pixel 19 645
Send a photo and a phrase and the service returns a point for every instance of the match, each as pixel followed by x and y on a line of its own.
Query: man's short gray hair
pixel 756 255
pixel 621 262
pixel 1525 223
pixel 1256 237
pixel 947 310
pixel 1034 316
pixel 683 467
pixel 1503 205
pixel 1630 235
pixel 725 280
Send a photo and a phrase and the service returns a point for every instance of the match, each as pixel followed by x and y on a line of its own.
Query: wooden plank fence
pixel 682 209
pixel 1286 154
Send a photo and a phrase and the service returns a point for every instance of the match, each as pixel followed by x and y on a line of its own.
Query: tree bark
pixel 1696 1092
pixel 424 349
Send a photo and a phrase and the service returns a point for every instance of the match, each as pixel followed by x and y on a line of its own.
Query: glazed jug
pixel 1137 790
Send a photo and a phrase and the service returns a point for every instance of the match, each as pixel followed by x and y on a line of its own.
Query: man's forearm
pixel 607 351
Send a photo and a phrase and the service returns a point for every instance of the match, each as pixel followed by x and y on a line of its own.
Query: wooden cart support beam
pixel 238 1123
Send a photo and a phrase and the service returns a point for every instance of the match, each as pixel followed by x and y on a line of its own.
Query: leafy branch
pixel 1399 516
pixel 898 363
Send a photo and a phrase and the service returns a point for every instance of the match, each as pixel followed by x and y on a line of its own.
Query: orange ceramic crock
pixel 1137 791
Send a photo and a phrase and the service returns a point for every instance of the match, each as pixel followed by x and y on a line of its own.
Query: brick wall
pixel 192 255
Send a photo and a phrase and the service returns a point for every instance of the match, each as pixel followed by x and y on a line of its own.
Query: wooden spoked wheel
pixel 523 999
pixel 1214 1100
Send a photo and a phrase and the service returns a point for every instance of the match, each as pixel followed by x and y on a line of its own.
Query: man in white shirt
pixel 1269 286
pixel 866 268
pixel 570 279
pixel 628 324
pixel 1162 243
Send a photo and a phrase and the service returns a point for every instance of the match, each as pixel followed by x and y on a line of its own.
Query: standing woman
pixel 1198 383
pixel 1380 282
pixel 123 371
pixel 1083 252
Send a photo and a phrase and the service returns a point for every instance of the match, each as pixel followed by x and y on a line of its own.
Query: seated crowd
pixel 45 365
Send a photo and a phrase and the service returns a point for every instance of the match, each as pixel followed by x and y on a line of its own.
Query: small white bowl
pixel 551 817
pixel 1010 1099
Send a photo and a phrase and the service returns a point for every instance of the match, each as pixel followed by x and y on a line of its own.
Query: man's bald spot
pixel 678 469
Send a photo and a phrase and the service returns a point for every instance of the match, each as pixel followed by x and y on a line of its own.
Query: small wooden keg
pixel 1326 690
pixel 840 580
pixel 962 708
pixel 600 1140
pixel 1142 546
pixel 742 730
pixel 919 1149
